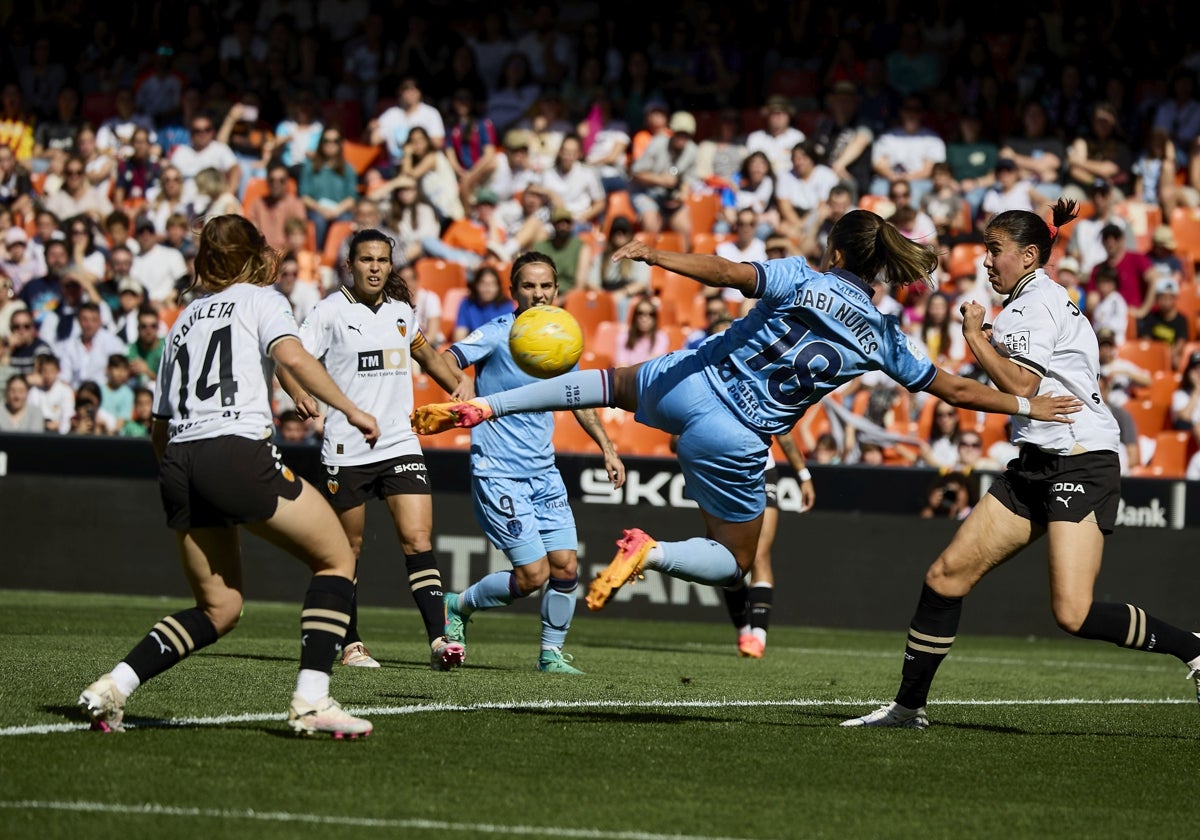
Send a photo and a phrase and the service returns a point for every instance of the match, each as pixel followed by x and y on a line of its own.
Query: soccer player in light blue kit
pixel 519 497
pixel 811 331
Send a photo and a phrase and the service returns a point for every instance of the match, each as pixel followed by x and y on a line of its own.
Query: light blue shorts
pixel 722 460
pixel 525 517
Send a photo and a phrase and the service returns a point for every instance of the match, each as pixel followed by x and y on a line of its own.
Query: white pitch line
pixel 151 809
pixel 544 705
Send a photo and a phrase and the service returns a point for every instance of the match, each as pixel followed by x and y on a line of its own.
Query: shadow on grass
pixel 256 657
pixel 631 645
pixel 597 716
pixel 822 719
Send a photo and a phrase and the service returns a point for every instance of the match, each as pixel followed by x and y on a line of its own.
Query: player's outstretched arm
pixel 967 393
pixel 612 462
pixel 709 269
pixel 311 374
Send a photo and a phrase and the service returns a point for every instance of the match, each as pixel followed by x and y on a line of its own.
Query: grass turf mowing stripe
pixel 154 810
pixel 433 708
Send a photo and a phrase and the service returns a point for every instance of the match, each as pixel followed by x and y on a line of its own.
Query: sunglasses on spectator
pixel 201 129
pixel 904 194
pixel 332 139
pixel 971 444
pixel 74 172
pixel 649 313
pixel 276 179
pixel 17 326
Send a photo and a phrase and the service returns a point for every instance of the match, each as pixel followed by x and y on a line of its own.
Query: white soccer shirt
pixel 368 353
pixel 1043 331
pixel 215 375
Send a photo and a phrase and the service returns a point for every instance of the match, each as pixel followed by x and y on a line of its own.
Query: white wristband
pixel 1022 407
pixel 804 475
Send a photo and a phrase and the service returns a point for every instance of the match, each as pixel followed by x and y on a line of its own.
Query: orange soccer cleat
pixel 441 417
pixel 625 567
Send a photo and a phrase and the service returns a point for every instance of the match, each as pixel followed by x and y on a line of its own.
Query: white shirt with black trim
pixel 1042 330
pixel 368 352
pixel 215 375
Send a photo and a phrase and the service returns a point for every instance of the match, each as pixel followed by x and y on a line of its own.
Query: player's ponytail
pixel 877 252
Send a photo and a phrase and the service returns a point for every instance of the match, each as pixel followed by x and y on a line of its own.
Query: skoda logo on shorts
pixel 514 527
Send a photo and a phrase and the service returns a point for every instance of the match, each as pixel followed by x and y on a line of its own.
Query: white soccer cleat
pixel 893 715
pixel 326 715
pixel 104 705
pixel 356 655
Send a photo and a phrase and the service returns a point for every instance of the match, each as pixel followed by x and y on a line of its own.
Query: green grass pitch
pixel 669 734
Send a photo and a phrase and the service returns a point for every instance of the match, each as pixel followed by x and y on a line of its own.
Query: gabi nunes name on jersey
pixel 215 374
pixel 368 352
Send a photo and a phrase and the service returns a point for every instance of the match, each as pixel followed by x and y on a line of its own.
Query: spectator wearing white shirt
pixel 779 137
pixel 907 152
pixel 158 267
pixel 1107 306
pixel 744 247
pixel 1009 192
pixel 572 184
pixel 393 125
pixel 802 190
pixel 115 135
pixel 205 152
pixel 84 356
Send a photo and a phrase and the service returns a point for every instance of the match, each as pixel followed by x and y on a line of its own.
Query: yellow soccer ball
pixel 545 341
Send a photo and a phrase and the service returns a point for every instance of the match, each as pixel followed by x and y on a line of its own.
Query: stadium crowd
pixel 470 134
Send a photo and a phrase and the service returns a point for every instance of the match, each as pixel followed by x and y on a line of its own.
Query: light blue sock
pixel 698 560
pixel 558 607
pixel 499 589
pixel 581 389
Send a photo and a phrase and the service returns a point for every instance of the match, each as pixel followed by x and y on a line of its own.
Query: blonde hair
pixel 232 250
pixel 210 182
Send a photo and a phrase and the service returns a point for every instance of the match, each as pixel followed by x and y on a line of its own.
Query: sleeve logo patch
pixel 1017 342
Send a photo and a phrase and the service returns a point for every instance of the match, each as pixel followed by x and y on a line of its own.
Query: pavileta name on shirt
pixel 219 310
pixel 389 361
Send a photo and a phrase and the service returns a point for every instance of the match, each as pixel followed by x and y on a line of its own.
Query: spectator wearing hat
pixel 1100 153
pixel 157 267
pixel 906 152
pixel 570 253
pixel 1085 243
pixel 1121 374
pixel 662 179
pixel 21 263
pixel 1066 274
pixel 469 240
pixel 778 137
pixel 572 185
pixel 1162 252
pixel 514 171
pixel 1164 322
pixel 130 299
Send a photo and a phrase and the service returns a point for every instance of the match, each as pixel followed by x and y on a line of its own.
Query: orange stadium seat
pixel 592 360
pixel 439 276
pixel 360 156
pixel 257 187
pixel 451 300
pixel 1146 353
pixel 703 209
pixel 963 256
pixel 880 204
pixel 1149 418
pixel 569 436
pixel 604 340
pixel 338 230
pixel 619 203
pixel 669 240
pixel 591 307
pixel 1185 224
pixel 1171 453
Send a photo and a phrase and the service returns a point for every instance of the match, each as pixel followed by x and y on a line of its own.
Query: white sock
pixel 312 685
pixel 744 630
pixel 760 633
pixel 127 681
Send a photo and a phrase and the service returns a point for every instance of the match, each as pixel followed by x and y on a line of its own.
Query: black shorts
pixel 772 477
pixel 349 487
pixel 1043 488
pixel 223 481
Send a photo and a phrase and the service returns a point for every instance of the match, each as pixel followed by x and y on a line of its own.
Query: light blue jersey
pixel 517 445
pixel 809 333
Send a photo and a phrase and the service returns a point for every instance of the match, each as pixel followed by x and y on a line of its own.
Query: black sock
pixel 425 581
pixel 323 621
pixel 171 640
pixel 1128 626
pixel 352 626
pixel 930 635
pixel 761 598
pixel 737 602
